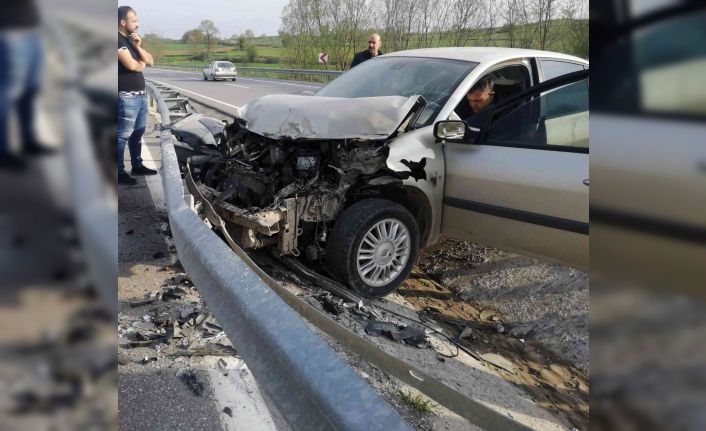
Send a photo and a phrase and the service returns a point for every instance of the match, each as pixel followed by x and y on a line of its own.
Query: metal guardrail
pixel 245 71
pixel 94 200
pixel 312 388
pixel 475 411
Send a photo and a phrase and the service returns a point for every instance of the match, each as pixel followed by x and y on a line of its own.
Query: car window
pixel 554 68
pixel 508 81
pixel 556 120
pixel 434 79
pixel 225 65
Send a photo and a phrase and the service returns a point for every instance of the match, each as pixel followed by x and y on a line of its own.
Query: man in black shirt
pixel 132 101
pixel 21 62
pixel 374 44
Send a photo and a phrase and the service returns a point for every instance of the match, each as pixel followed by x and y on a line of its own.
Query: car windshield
pixel 433 78
pixel 225 65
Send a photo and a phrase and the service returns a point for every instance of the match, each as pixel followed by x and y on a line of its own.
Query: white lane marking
pixel 240 392
pixel 282 83
pixel 236 85
pixel 198 94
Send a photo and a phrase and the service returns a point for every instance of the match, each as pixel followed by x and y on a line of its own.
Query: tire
pixel 205 78
pixel 233 79
pixel 346 242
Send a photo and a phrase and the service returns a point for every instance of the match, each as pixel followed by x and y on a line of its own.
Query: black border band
pixel 519 215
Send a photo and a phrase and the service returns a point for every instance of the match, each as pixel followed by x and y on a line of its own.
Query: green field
pixel 179 53
pixel 270 52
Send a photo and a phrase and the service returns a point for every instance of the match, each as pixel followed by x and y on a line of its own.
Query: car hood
pixel 314 117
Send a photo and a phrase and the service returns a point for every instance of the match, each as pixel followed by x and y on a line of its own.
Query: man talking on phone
pixel 132 101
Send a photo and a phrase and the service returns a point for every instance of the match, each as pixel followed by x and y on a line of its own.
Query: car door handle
pixel 586 182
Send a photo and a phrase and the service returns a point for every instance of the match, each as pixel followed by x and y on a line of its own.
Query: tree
pixel 574 32
pixel 242 43
pixel 249 34
pixel 510 12
pixel 192 37
pixel 251 54
pixel 155 45
pixel 546 10
pixel 209 30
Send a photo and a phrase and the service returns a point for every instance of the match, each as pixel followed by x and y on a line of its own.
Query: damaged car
pixel 357 178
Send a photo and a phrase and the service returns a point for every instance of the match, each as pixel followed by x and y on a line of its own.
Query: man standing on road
pixel 132 101
pixel 21 58
pixel 374 44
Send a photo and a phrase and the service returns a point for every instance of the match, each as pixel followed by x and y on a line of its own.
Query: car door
pixel 523 185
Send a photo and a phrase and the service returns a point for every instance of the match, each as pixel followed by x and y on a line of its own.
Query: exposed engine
pixel 283 191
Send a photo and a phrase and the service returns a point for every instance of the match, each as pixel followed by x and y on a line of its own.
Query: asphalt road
pixel 228 95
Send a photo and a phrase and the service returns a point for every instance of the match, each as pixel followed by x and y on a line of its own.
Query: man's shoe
pixel 12 162
pixel 126 179
pixel 143 170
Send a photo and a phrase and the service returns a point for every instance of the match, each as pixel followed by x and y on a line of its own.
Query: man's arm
pixel 144 55
pixel 128 62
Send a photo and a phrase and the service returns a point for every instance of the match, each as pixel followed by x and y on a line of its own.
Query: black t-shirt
pixel 17 14
pixel 127 79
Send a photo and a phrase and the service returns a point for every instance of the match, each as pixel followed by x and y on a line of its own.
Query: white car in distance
pixel 220 70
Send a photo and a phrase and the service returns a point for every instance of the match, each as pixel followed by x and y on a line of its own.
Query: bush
pixel 199 57
pixel 251 54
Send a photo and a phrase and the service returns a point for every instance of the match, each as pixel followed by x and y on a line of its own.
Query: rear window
pixel 553 68
pixel 224 65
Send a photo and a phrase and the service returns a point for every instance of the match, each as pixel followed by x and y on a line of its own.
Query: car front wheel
pixel 205 78
pixel 373 246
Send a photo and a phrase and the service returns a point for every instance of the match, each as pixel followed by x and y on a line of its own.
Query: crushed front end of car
pixel 292 164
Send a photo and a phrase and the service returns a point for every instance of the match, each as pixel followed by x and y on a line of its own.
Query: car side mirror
pixel 455 131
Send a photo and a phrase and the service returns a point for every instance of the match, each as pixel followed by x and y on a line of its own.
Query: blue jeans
pixel 132 121
pixel 21 62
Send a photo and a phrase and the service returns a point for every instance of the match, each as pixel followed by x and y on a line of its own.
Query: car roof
pixel 482 54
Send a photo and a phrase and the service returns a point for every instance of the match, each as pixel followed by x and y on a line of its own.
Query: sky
pixel 172 18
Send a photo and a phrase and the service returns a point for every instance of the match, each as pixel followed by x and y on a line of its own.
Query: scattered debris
pixel 487 314
pixel 130 232
pixel 228 411
pixel 158 255
pixel 167 293
pixel 192 382
pixel 409 334
pixel 147 326
pixel 466 333
pixel 123 359
pixel 181 278
pixel 499 362
pixel 172 292
pixel 138 339
pixel 330 304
